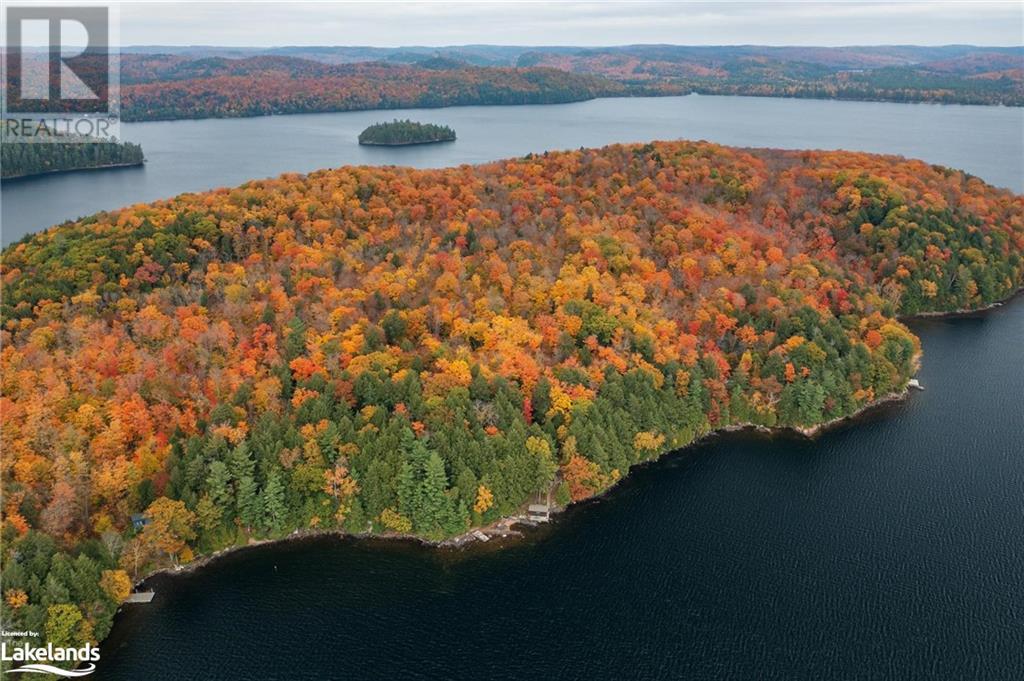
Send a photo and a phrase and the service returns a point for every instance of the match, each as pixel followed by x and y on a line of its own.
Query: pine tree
pixel 436 508
pixel 240 462
pixel 408 490
pixel 219 485
pixel 275 511
pixel 248 503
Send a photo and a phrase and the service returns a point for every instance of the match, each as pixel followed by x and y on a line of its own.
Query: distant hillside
pixel 964 74
pixel 848 57
pixel 954 74
pixel 163 87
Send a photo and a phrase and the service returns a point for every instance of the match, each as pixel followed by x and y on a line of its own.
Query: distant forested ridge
pixel 225 82
pixel 167 87
pixel 397 133
pixel 23 159
pixel 895 74
pixel 401 351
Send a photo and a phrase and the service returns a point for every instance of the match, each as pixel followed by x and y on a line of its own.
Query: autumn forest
pixel 160 87
pixel 419 352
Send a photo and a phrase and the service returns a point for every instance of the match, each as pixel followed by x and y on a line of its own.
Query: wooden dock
pixel 141 597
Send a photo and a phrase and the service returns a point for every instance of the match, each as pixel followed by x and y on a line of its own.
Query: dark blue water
pixel 197 155
pixel 892 548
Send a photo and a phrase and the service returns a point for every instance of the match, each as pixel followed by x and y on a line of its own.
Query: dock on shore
pixel 141 597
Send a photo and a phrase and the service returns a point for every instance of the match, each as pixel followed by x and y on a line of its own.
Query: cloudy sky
pixel 389 24
pixel 576 23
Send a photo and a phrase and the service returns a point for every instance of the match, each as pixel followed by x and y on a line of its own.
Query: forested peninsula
pixel 419 352
pixel 25 159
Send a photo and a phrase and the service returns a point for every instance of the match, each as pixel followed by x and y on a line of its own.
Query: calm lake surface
pixel 198 155
pixel 892 548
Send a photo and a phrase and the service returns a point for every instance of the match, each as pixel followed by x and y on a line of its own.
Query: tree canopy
pixel 162 87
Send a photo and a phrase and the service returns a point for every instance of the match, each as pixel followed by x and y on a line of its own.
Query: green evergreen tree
pixel 218 483
pixel 275 511
pixel 248 504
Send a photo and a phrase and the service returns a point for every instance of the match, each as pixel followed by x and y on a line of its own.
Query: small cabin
pixel 139 521
pixel 539 513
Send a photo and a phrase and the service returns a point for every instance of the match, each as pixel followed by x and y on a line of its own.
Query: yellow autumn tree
pixel 647 441
pixel 395 521
pixel 116 584
pixel 484 499
pixel 16 598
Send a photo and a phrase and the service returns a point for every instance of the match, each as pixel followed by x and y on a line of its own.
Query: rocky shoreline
pixel 504 528
pixel 963 312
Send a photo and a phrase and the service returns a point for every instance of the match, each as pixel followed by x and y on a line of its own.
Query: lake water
pixel 197 155
pixel 892 548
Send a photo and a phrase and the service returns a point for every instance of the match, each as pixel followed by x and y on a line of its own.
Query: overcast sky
pixel 390 24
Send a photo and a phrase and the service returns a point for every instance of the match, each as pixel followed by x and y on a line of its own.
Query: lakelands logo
pixel 39 657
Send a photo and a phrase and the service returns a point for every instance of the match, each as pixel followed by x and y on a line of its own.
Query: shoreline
pixel 956 314
pixel 62 171
pixel 504 527
pixel 619 95
pixel 406 144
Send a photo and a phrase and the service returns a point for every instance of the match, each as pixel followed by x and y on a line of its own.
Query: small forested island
pixel 24 159
pixel 400 133
pixel 409 352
